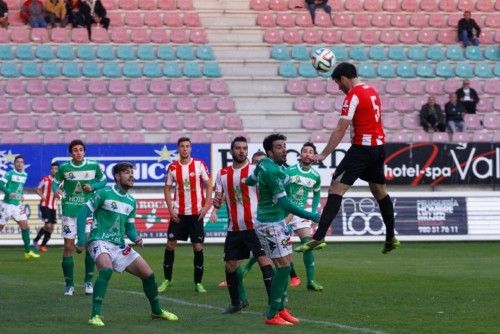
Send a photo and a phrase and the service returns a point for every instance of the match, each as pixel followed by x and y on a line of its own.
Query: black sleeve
pixel 476 26
pixel 99 9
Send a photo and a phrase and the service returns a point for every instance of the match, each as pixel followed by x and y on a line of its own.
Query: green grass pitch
pixel 419 288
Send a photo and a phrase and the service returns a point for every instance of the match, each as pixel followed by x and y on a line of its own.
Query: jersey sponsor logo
pixel 118 207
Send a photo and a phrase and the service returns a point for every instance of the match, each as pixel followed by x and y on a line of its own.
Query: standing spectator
pixel 313 4
pixel 454 112
pixel 4 14
pixel 466 27
pixel 55 11
pixel 431 116
pixel 468 97
pixel 94 12
pixel 32 13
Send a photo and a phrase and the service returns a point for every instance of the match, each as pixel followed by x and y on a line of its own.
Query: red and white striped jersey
pixel 241 200
pixel 189 191
pixel 362 106
pixel 48 199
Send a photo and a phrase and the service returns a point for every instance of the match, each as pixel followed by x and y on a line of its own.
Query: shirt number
pixel 375 107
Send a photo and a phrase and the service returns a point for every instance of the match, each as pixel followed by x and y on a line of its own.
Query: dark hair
pixel 181 139
pixel 54 164
pixel 269 140
pixel 19 156
pixel 121 167
pixel 74 143
pixel 239 138
pixel 309 144
pixel 344 69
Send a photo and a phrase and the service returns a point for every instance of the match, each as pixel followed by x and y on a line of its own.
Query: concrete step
pixel 271 121
pixel 221 4
pixel 238 36
pixel 249 68
pixel 213 20
pixel 242 52
pixel 245 87
pixel 253 104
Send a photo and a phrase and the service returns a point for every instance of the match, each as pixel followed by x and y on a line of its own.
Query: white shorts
pixel 8 211
pixel 121 256
pixel 69 227
pixel 274 238
pixel 297 223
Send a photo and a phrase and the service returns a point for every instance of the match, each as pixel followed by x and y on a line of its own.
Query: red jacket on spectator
pixel 25 16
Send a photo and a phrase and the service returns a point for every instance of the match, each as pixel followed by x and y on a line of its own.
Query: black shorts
pixel 188 226
pixel 49 216
pixel 363 162
pixel 238 245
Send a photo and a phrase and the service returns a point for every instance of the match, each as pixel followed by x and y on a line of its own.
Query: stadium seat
pixel 426 37
pixel 444 70
pixel 300 52
pixel 343 20
pixel 285 20
pixel 185 104
pixel 311 36
pixel 492 52
pixel 377 52
pixel 286 69
pixel 315 87
pixel 179 87
pixel 139 35
pixel 124 105
pixel 272 36
pixel 125 52
pixel 166 4
pixel 416 52
pixel 50 70
pixel 366 70
pixel 266 20
pixel 205 104
pixel 405 70
pixel 482 137
pixel 402 104
pixel 213 122
pixel 437 20
pixel 491 87
pixel 9 69
pixel 482 70
pixel 414 87
pixel 454 52
pixel 233 122
pixel 118 87
pixel 79 35
pixel 361 20
pixel 491 122
pixel 311 122
pixel 205 52
pixel 446 37
pixel 358 53
pixel 43 52
pixel 111 70
pixel 394 87
pixel 291 36
pixel 306 70
pixel 451 86
pixel 425 70
pixel 350 37
pixel 380 20
pixel 485 105
pixel 280 52
pixel 464 70
pixel 172 70
pixel 151 122
pixel 153 19
pixel 473 53
pixel 295 87
pixel 152 70
pixel 112 123
pixel 166 52
pixel 226 104
pixel 40 104
pixel 192 70
pixel 89 122
pixel 147 4
pixel 82 105
pixel 492 21
pixel 440 137
pixel 85 52
pixel 211 69
pixel 67 123
pixel 159 36
pixel 164 104
pixel 129 122
pixel 6 52
pixel 385 70
pixel 56 86
pixel 138 87
pixel 60 35
pixel 39 35
pixel 330 37
pixel 15 87
pixel 91 70
pixel 185 52
pixel 98 87
pixel 417 20
pixel 158 87
pixel 198 36
pixel 218 87
pixel 25 52
pixel 35 87
pixel 435 52
pixel 105 52
pixel 46 122
pixel 115 137
pixel 408 37
pixel 120 35
pixel 303 20
pixel 65 52
pixel 25 123
pixel 434 87
pixel 370 36
pixel 198 87
pixel 20 36
pixel 61 105
pixel 145 52
pixel 134 19
pixel 71 70
pixel 144 104
pixel 496 69
pixel 323 104
pixel 496 104
pixel 473 122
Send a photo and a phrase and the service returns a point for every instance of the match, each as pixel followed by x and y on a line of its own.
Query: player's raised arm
pixel 335 138
pixel 100 180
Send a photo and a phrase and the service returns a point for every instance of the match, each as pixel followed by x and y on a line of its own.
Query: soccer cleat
pixel 277 321
pixel 285 315
pixel 313 286
pixel 295 281
pixel 231 309
pixel 311 245
pixel 69 291
pixel 164 285
pixel 35 246
pixel 165 316
pixel 389 246
pixel 89 288
pixel 43 248
pixel 244 304
pixel 96 321
pixel 222 284
pixel 199 288
pixel 31 255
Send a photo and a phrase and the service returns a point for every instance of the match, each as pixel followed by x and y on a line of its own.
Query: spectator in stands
pixel 468 97
pixel 313 4
pixel 75 16
pixel 4 14
pixel 466 27
pixel 32 13
pixel 431 116
pixel 55 11
pixel 94 12
pixel 454 112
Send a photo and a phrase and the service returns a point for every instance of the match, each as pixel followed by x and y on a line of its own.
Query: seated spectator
pixel 75 17
pixel 4 14
pixel 32 13
pixel 431 116
pixel 313 4
pixel 468 97
pixel 454 112
pixel 55 11
pixel 466 27
pixel 94 12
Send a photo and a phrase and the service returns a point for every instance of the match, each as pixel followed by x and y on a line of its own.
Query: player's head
pixel 123 173
pixel 184 147
pixel 239 149
pixel 257 156
pixel 467 14
pixel 306 153
pixel 19 163
pixel 344 75
pixel 77 150
pixel 54 167
pixel 275 147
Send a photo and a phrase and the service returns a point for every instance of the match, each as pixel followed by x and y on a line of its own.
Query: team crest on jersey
pixel 192 174
pixel 71 176
pixel 114 205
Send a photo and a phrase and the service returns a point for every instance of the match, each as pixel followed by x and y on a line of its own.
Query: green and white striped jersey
pixel 301 183
pixel 13 183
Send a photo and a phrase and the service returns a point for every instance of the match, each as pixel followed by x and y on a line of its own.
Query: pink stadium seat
pixel 164 104
pixel 437 20
pixel 116 137
pixel 330 121
pixel 485 5
pixel 198 87
pixel 213 122
pixel 259 4
pixel 323 104
pixel 172 19
pixel 198 36
pixel 426 37
pixel 20 105
pixel 330 36
pixel 191 19
pixel 496 136
pixel 295 87
pixel 179 87
pixel 414 87
pixel 47 123
pixel 138 87
pixel 311 36
pixel 82 105
pixel 418 20
pixel 315 87
pixel 153 19
pixel 77 87
pixel 485 105
pixel 396 137
pixel 185 5
pixel 89 122
pixel 52 138
pixel 434 87
pixel 220 137
pixel 129 122
pixel 342 20
pixel 338 104
pixel 118 87
pixel 226 104
pixel 387 104
pixel 323 19
pixel 98 87
pixel 272 36
pixel 350 37
pixel 103 104
pixel 158 87
pixel 473 122
pixel 120 35
pixel 440 137
pixel 14 87
pixel 25 123
pixel 128 4
pixel 134 19
pixel 419 101
pixel 394 87
pixel 391 6
pixel 296 4
pixel 361 20
pixel 319 136
pixel 381 20
pixel 6 123
pixel 124 104
pixel 39 35
pixel 4 106
pixel 31 138
pixel 481 137
pixel 116 18
pixel 67 122
pixel 292 36
pixel 233 122
pixel 172 122
pixel 277 5
pixel 100 35
pixel 69 136
pixel 337 5
pixel 447 5
pixel 112 123
pixel 144 104
pixel 392 122
pixel 303 20
pixel 285 20
pixel 447 37
pixel 79 35
pixel 40 104
pixel 465 5
pixel 492 21
pixel 218 87
pixel 453 19
pixel 166 4
pixel 311 122
pixel 402 104
pixel 179 36
pixel 94 138
pixel 110 5
pixel 372 5
pixel 20 35
pixel 428 5
pixel 200 137
pixel 205 104
pixel 420 137
pixel 378 84
pixel 185 104
pixel 388 37
pixel 159 35
pixel 451 86
pixel 370 36
pixel 147 4
pixel 266 19
pixel 4 36
pixel 491 87
pixel 303 104
pixel 35 87
pixel 411 122
pixel 61 105
pixel 400 21
pixel 136 138
pixel 354 5
pixel 151 122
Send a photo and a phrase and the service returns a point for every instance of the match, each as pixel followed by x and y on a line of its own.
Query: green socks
pixel 68 266
pixel 241 287
pixel 100 287
pixel 89 267
pixel 248 266
pixel 151 291
pixel 308 258
pixel 278 288
pixel 26 240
